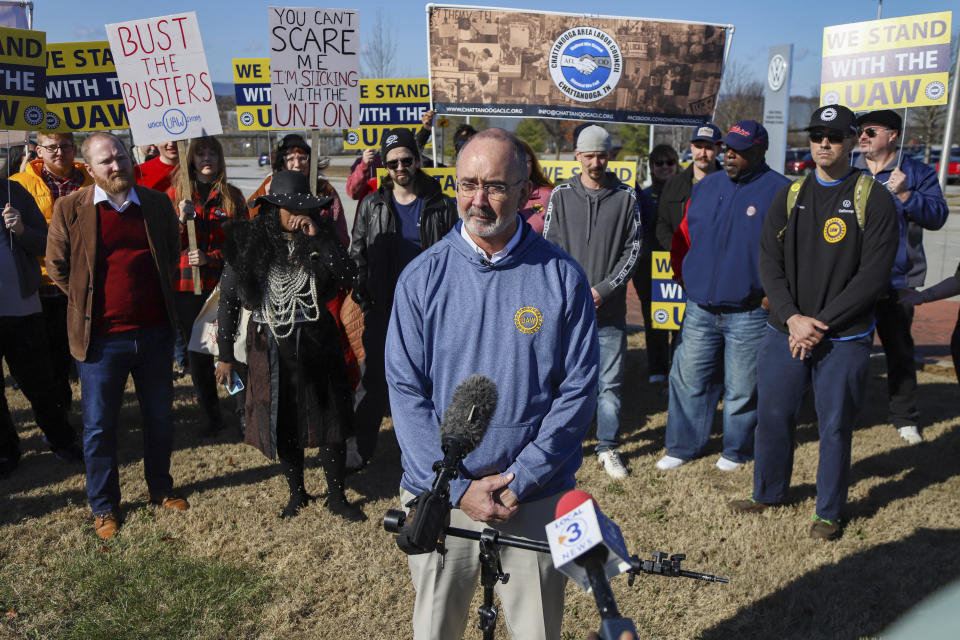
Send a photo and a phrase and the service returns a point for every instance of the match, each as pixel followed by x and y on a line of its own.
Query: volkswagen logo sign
pixel 776 72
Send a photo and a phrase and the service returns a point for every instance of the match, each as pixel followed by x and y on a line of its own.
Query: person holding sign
pixel 828 243
pixel 284 265
pixel 920 205
pixel 113 249
pixel 210 203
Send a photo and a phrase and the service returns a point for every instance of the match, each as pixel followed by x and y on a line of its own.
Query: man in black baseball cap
pixel 920 205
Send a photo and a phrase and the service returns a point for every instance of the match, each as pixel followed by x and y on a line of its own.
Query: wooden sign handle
pixel 185 187
pixel 314 143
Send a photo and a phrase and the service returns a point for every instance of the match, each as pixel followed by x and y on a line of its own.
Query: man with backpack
pixel 826 251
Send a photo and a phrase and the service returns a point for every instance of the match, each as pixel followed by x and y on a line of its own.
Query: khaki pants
pixel 531 601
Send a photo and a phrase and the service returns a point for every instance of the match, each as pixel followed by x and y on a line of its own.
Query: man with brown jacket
pixel 112 248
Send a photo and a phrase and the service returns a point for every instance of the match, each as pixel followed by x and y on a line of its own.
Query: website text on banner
pixel 22 79
pixel 166 86
pixel 668 300
pixel 314 68
pixel 572 66
pixel 885 64
pixel 251 85
pixel 385 104
pixel 83 90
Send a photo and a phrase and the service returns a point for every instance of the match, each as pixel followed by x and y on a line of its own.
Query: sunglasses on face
pixel 405 162
pixel 818 136
pixel 664 163
pixel 870 131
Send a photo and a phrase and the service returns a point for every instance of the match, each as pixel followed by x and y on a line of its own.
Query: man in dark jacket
pixel 724 318
pixel 23 338
pixel 393 225
pixel 920 205
pixel 824 259
pixel 596 219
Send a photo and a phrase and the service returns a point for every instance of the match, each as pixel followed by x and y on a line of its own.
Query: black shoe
pixel 8 463
pixel 297 502
pixel 71 453
pixel 341 507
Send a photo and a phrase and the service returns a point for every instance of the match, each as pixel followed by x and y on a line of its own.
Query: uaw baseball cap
pixel 745 134
pixel 399 137
pixel 708 132
pixel 834 117
pixel 883 117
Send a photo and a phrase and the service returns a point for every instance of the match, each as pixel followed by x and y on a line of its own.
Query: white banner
pixel 163 74
pixel 314 68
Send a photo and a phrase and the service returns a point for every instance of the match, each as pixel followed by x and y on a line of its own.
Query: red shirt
pixel 154 174
pixel 126 286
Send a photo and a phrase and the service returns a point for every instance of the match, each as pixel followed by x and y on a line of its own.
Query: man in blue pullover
pixel 724 319
pixel 920 205
pixel 493 298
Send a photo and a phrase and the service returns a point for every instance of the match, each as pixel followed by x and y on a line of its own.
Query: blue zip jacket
pixel 925 208
pixel 526 322
pixel 725 221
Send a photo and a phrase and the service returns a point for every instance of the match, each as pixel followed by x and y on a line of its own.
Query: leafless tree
pixel 379 53
pixel 741 97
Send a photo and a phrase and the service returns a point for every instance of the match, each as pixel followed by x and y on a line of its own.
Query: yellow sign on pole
pixel 83 91
pixel 22 79
pixel 251 85
pixel 668 300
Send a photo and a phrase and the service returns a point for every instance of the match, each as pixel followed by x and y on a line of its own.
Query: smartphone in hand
pixel 235 385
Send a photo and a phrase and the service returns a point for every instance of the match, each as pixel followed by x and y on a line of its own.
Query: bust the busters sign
pixel 166 87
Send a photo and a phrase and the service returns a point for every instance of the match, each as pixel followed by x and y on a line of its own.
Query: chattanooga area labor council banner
pixel 314 68
pixel 166 87
pixel 555 65
pixel 884 64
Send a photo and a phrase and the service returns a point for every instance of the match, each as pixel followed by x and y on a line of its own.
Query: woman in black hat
pixel 293 154
pixel 284 265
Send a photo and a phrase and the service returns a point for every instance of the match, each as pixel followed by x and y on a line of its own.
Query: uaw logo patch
pixel 834 229
pixel 585 64
pixel 528 320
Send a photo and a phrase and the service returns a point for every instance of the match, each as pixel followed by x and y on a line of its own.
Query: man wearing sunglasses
pixel 393 225
pixel 920 205
pixel 596 219
pixel 724 318
pixel 823 262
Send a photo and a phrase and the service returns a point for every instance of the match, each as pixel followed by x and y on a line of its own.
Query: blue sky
pixel 238 28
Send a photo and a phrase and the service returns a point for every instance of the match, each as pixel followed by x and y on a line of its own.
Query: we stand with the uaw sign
pixel 166 86
pixel 668 300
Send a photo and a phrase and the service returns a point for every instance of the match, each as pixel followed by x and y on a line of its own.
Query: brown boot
pixel 172 501
pixel 105 525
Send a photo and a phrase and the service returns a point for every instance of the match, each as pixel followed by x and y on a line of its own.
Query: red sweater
pixel 154 174
pixel 126 287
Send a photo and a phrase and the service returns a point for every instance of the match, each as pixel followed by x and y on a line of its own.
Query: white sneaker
pixel 354 461
pixel 612 464
pixel 726 465
pixel 911 434
pixel 669 462
pixel 657 378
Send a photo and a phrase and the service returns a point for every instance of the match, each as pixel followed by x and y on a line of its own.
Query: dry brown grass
pixel 328 579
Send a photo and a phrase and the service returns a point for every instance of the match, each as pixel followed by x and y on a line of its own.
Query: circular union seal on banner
pixel 776 72
pixel 351 137
pixel 585 64
pixel 174 121
pixel 33 115
pixel 246 118
pixel 53 121
pixel 833 230
pixel 935 90
pixel 831 97
pixel 661 316
pixel 528 320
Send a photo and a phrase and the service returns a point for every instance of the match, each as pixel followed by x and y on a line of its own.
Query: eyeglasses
pixel 296 157
pixel 871 131
pixel 818 136
pixel 664 163
pixel 493 190
pixel 393 164
pixel 53 148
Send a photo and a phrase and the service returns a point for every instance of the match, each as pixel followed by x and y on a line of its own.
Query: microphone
pixel 461 430
pixel 589 548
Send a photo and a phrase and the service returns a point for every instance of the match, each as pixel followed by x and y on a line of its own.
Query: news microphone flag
pixel 580 527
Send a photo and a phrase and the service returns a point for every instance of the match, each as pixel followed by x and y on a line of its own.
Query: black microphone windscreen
pixel 470 410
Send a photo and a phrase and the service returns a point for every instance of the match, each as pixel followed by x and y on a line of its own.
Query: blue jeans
pixel 717 354
pixel 613 347
pixel 146 354
pixel 838 373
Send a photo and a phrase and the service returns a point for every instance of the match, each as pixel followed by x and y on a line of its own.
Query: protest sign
pixel 885 64
pixel 385 104
pixel 83 91
pixel 507 62
pixel 668 300
pixel 314 68
pixel 166 87
pixel 446 176
pixel 559 170
pixel 251 84
pixel 22 78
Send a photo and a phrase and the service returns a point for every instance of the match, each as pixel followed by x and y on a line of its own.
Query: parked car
pixel 953 165
pixel 801 166
pixel 263 159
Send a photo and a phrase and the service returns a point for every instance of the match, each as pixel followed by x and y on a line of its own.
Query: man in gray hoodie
pixel 596 219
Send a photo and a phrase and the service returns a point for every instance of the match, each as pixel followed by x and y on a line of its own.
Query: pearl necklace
pixel 291 293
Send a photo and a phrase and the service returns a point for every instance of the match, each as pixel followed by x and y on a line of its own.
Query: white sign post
pixel 166 87
pixel 314 68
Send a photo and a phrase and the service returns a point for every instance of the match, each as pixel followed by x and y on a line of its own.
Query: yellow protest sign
pixel 251 84
pixel 22 78
pixel 559 170
pixel 385 104
pixel 668 300
pixel 885 64
pixel 83 91
pixel 446 176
